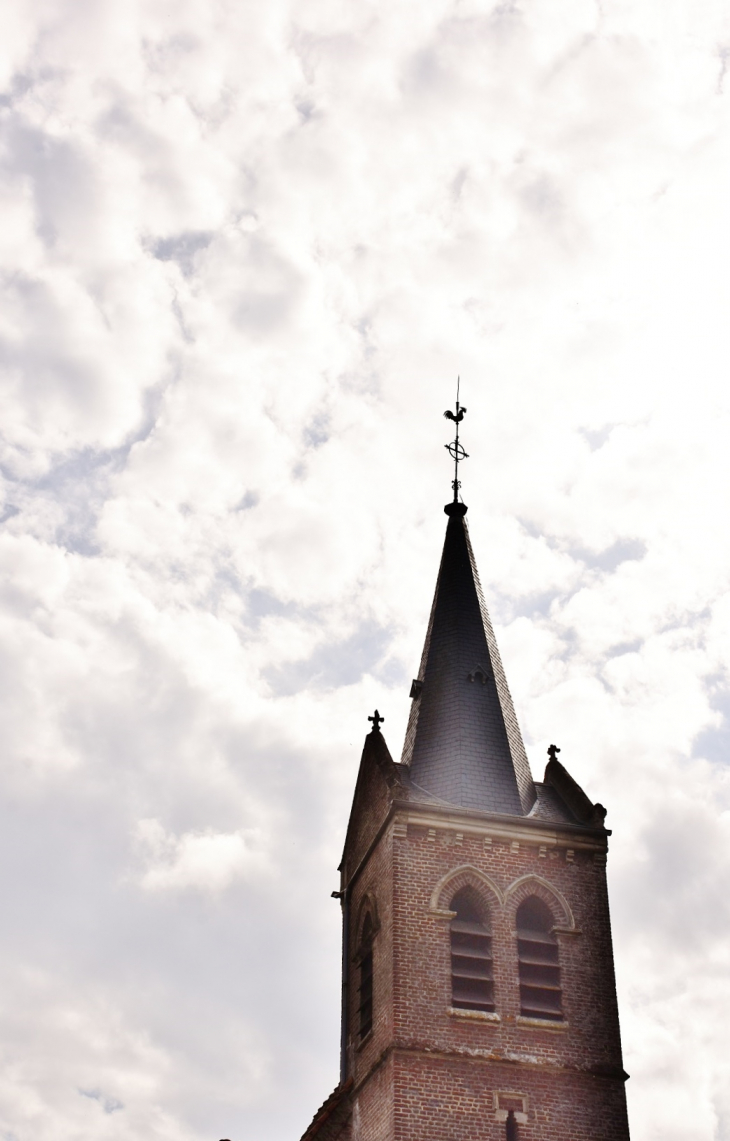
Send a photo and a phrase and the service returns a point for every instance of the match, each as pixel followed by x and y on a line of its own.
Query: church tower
pixel 478 993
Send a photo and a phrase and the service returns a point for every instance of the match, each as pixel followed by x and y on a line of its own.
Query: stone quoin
pixel 478 993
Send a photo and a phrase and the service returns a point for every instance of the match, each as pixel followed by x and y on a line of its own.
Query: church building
pixel 478 993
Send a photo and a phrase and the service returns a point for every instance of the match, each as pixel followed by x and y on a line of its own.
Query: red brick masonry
pixel 429 1072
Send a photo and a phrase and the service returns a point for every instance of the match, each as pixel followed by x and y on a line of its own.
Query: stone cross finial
pixel 553 752
pixel 377 721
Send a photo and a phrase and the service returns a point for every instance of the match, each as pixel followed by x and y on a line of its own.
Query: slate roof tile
pixel 463 743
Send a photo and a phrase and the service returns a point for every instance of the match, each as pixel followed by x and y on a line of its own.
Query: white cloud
pixel 244 253
pixel 207 861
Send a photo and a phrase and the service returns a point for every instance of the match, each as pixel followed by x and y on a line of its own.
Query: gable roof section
pixel 378 784
pixel 580 806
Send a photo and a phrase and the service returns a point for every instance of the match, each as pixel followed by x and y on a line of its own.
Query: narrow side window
pixel 365 988
pixel 537 950
pixel 472 977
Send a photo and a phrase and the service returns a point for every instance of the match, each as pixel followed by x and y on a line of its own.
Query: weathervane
pixel 455 449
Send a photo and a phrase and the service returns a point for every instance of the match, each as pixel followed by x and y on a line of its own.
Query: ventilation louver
pixel 472 977
pixel 537 950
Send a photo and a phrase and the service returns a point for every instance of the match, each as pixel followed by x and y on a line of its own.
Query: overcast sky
pixel 246 250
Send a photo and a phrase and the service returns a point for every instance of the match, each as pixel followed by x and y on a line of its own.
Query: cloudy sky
pixel 246 249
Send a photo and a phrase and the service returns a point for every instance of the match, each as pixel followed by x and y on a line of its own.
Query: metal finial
pixel 553 751
pixel 455 449
pixel 377 721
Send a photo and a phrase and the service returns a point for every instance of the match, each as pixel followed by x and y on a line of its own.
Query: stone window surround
pixel 520 889
pixel 500 1111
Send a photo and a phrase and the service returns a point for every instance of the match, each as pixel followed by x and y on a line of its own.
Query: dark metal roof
pixel 463 743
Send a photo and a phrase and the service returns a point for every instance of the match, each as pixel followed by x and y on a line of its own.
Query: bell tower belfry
pixel 478 993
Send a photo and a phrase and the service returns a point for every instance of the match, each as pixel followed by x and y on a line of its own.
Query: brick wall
pixel 455 1099
pixel 427 1071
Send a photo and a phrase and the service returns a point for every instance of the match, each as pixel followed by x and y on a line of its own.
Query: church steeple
pixel 463 743
pixel 478 995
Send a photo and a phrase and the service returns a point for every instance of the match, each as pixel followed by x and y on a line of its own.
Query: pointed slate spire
pixel 463 743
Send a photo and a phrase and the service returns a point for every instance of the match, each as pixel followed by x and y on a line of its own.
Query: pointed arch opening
pixel 539 966
pixel 449 884
pixel 531 884
pixel 365 977
pixel 472 974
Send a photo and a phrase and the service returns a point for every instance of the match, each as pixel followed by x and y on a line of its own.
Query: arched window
pixel 537 950
pixel 365 985
pixel 472 979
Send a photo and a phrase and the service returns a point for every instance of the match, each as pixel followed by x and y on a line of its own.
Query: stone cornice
pixel 521 828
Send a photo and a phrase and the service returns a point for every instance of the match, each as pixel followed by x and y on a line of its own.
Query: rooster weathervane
pixel 455 449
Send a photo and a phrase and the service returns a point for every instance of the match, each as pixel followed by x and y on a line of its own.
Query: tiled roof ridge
pixel 339 1099
pixel 517 746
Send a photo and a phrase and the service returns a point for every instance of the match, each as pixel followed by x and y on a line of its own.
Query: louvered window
pixel 472 978
pixel 365 988
pixel 537 949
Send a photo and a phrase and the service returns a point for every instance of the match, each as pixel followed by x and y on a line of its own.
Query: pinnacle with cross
pixel 553 751
pixel 377 721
